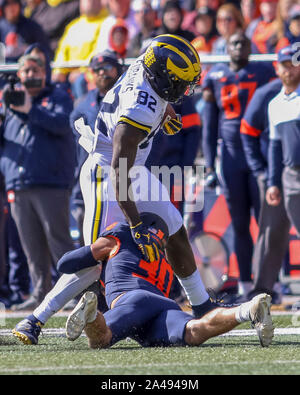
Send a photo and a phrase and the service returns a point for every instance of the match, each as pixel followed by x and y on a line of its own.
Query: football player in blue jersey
pixel 227 89
pixel 137 292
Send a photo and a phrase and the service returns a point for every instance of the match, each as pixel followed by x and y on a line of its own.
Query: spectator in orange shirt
pixel 205 26
pixel 229 21
pixel 290 32
pixel 119 38
pixel 189 17
pixel 146 18
pixel 250 10
pixel 263 31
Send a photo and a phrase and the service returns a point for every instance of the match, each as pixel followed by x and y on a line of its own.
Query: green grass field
pixel 225 355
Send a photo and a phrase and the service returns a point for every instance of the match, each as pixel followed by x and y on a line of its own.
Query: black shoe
pixel 276 296
pixel 212 303
pixel 204 308
pixel 236 299
pixel 28 330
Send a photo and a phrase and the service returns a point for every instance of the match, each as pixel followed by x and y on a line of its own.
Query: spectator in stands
pixel 263 30
pixel 205 28
pixel 250 10
pixel 105 70
pixel 214 4
pixel 78 43
pixel 229 21
pixel 118 9
pixel 189 17
pixel 273 236
pixel 53 18
pixel 290 33
pixel 119 38
pixel 172 17
pixel 17 32
pixel 146 18
pixel 38 173
pixel 283 12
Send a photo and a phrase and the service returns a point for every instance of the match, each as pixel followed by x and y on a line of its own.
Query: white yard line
pixel 103 368
pixel 235 332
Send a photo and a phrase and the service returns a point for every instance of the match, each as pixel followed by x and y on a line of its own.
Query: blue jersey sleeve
pixel 255 127
pixel 210 132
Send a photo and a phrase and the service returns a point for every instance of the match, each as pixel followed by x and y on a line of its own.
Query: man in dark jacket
pixel 38 163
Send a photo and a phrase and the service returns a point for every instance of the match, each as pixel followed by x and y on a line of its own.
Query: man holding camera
pixel 38 162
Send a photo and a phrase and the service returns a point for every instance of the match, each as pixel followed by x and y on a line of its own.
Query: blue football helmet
pixel 173 66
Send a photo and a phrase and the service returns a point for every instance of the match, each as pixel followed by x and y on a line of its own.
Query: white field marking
pixel 150 365
pixel 236 332
pixel 65 313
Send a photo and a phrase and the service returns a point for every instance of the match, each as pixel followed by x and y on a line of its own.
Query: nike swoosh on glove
pixel 146 242
pixel 172 125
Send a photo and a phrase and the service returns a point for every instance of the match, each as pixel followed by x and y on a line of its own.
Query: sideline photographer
pixel 38 162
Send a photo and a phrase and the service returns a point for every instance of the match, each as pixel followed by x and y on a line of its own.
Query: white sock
pixel 194 288
pixel 92 317
pixel 242 313
pixel 67 287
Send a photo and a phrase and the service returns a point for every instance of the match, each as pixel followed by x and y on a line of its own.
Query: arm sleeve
pixel 275 157
pixel 191 126
pixel 210 132
pixel 53 117
pixel 252 126
pixel 275 163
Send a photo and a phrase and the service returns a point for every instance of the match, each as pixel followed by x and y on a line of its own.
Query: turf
pixel 236 355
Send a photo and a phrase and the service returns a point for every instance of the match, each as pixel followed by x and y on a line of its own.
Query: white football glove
pixel 86 139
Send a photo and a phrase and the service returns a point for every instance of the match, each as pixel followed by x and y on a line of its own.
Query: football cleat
pixel 261 318
pixel 28 331
pixel 84 312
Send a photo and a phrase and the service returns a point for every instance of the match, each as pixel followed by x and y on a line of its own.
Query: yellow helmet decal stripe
pixel 187 74
pixel 186 43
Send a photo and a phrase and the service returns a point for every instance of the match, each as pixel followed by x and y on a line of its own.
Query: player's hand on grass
pixel 146 241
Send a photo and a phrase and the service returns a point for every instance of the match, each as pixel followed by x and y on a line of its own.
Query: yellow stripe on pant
pixel 98 204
